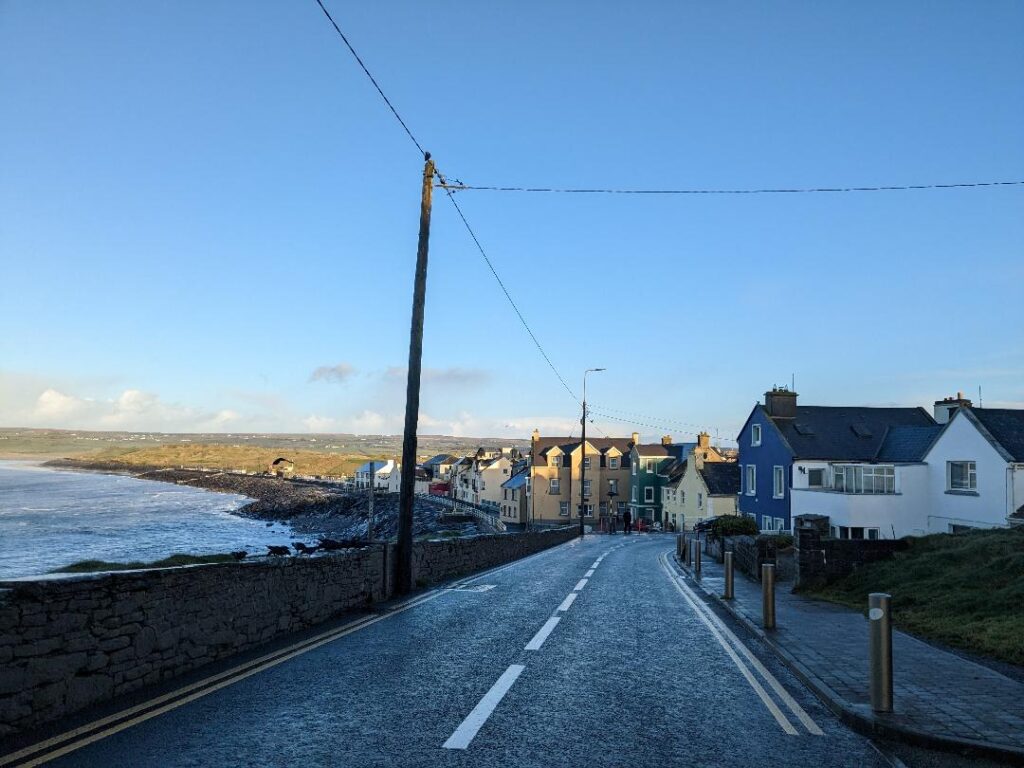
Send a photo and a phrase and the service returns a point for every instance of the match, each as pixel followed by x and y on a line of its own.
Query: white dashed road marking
pixel 475 720
pixel 579 585
pixel 542 634
pixel 568 601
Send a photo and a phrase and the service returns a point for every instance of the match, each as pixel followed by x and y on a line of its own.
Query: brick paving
pixel 936 693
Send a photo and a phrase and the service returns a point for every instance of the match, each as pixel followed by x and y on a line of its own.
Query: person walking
pixel 627 520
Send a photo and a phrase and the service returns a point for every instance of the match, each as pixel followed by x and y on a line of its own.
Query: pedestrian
pixel 627 519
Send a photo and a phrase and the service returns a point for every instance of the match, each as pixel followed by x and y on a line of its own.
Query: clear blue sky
pixel 205 203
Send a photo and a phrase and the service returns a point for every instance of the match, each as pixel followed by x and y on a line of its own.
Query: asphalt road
pixel 594 653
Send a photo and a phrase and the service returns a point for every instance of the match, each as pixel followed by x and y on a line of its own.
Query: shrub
pixel 733 525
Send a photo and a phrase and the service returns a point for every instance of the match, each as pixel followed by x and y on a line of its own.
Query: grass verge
pixel 95 566
pixel 965 590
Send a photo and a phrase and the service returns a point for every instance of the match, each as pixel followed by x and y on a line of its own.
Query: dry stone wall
pixel 73 641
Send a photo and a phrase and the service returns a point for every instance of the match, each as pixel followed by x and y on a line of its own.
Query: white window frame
pixel 554 486
pixel 586 462
pixel 751 478
pixel 587 485
pixel 700 500
pixel 649 494
pixel 633 495
pixel 755 435
pixel 778 482
pixel 634 467
pixel 613 485
pixel 824 477
pixel 555 461
pixel 563 509
pixel 649 465
pixel 971 470
pixel 780 524
pixel 613 462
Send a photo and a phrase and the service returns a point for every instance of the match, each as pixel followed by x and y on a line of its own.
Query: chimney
pixel 535 436
pixel 945 407
pixel 666 439
pixel 703 440
pixel 636 438
pixel 780 402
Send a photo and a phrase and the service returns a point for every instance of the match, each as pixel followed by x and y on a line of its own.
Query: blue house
pixel 780 433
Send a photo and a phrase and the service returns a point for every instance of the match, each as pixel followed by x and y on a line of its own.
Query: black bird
pixel 240 555
pixel 302 549
pixel 276 550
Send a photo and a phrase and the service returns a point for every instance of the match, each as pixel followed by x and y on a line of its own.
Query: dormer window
pixel 555 461
pixel 586 462
pixel 613 462
pixel 755 435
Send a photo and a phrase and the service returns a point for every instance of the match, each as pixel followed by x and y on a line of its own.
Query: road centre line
pixel 772 681
pixel 475 720
pixel 596 563
pixel 282 656
pixel 588 574
pixel 580 585
pixel 542 634
pixel 568 601
pixel 770 705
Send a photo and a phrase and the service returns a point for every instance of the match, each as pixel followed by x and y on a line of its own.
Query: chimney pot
pixel 636 438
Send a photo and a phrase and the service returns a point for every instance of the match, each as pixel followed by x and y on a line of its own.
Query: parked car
pixel 705 525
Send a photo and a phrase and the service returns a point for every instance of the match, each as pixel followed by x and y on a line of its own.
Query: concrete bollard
pixel 679 546
pixel 768 595
pixel 728 594
pixel 880 650
pixel 687 544
pixel 696 558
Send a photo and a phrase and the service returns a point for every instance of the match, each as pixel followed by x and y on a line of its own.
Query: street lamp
pixel 583 448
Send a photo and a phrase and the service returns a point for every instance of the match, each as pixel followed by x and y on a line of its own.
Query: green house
pixel 650 463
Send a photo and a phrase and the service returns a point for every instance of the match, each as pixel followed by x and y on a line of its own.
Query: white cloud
pixel 445 377
pixel 55 405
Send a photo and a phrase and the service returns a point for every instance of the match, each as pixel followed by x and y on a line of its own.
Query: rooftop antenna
pixel 979 397
pixel 792 382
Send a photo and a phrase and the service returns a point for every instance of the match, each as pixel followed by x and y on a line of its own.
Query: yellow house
pixel 703 484
pixel 555 493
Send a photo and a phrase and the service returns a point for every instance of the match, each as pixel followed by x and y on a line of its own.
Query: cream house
pixel 701 485
pixel 555 494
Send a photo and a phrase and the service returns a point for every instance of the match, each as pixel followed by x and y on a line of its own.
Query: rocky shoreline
pixel 306 507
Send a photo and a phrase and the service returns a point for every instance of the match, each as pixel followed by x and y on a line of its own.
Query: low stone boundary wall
pixel 821 561
pixel 71 641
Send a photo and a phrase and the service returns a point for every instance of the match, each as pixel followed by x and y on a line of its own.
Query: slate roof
pixel 677 450
pixel 840 432
pixel 441 458
pixel 907 444
pixel 721 477
pixel 568 444
pixel 675 470
pixel 516 481
pixel 1006 425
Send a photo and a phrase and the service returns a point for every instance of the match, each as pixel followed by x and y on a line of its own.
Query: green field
pixel 965 590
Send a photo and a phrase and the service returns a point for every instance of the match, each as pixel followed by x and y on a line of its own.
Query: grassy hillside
pixel 250 458
pixel 965 590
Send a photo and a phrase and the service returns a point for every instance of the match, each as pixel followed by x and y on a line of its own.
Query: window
pixel 751 479
pixel 815 478
pixel 634 493
pixel 780 524
pixel 613 486
pixel 563 508
pixel 586 488
pixel 604 507
pixel 863 478
pixel 649 465
pixel 613 462
pixel 872 533
pixel 649 494
pixel 634 468
pixel 664 495
pixel 554 485
pixel 555 461
pixel 590 510
pixel 682 497
pixel 586 462
pixel 961 476
pixel 755 435
pixel 700 500
pixel 778 482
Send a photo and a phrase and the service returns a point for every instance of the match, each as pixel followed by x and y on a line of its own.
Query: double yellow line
pixel 77 738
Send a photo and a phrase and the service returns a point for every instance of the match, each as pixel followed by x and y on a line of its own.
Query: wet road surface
pixel 593 653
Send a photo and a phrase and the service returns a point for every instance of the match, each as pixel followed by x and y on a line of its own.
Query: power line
pixel 654 418
pixel 637 423
pixel 761 191
pixel 504 290
pixel 372 78
pixel 444 186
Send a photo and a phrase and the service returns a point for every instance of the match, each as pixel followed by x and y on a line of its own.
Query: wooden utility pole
pixel 403 581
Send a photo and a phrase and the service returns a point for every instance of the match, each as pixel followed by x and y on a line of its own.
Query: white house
pixel 966 471
pixel 976 470
pixel 386 475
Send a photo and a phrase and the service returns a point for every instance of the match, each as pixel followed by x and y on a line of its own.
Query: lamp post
pixel 583 449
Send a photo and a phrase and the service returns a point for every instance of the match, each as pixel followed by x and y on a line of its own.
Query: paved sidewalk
pixel 937 697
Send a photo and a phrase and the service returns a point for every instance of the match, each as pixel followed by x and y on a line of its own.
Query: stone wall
pixel 820 561
pixel 72 641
